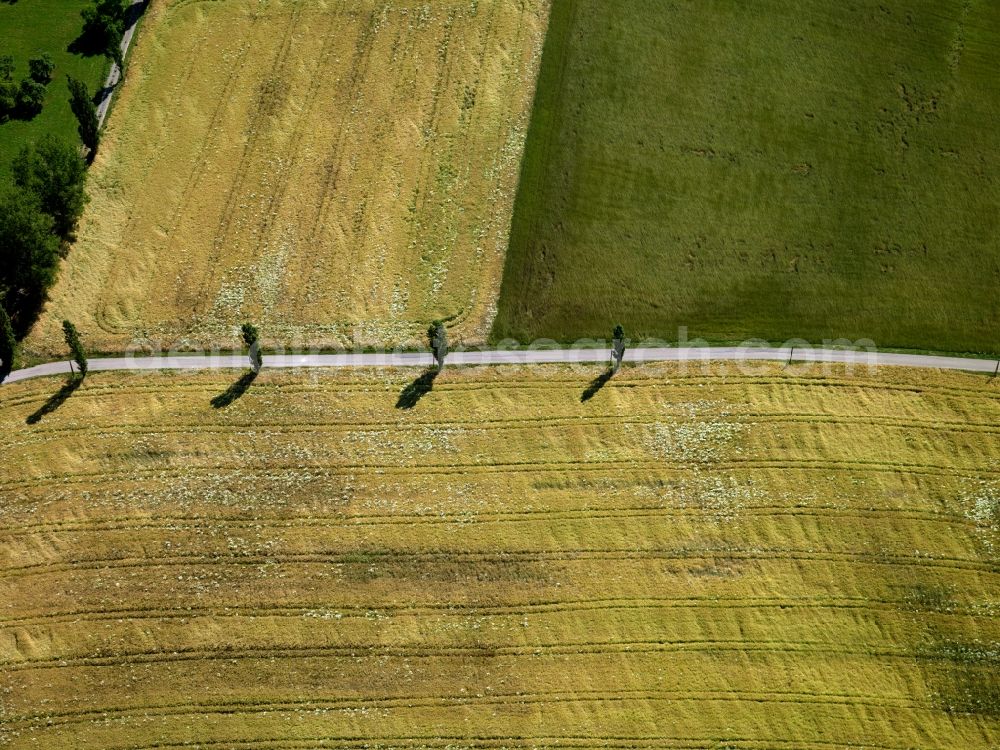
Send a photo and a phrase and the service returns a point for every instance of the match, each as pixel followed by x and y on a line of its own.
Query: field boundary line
pixel 527 357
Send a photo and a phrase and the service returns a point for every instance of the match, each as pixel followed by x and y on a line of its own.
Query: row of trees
pixel 24 100
pixel 39 214
pixel 437 336
pixel 103 31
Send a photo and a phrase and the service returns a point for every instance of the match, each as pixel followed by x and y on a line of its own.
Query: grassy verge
pixel 800 170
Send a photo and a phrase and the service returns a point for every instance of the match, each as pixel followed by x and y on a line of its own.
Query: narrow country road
pixel 528 357
pixel 115 74
pixel 472 358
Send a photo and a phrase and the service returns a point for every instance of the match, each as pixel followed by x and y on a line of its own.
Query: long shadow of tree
pixel 596 384
pixel 411 395
pixel 88 44
pixel 56 400
pixel 235 391
pixel 134 12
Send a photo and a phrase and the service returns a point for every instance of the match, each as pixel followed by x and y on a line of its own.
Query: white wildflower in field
pixel 722 498
pixel 701 433
pixel 982 507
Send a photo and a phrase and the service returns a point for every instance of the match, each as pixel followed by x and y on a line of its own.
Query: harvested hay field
pixel 698 561
pixel 340 172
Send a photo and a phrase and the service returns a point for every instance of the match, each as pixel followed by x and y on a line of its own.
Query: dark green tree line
pixel 29 256
pixel 53 172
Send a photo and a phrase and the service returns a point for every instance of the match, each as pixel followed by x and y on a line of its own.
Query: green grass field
pixel 693 560
pixel 28 27
pixel 778 169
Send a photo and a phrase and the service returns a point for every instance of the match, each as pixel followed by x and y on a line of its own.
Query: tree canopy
pixel 53 171
pixel 104 26
pixel 29 255
pixel 75 347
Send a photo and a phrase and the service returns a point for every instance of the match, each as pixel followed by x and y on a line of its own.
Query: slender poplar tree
pixel 251 337
pixel 438 336
pixel 75 348
pixel 618 350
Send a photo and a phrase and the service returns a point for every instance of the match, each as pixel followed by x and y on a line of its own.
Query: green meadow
pixel 774 169
pixel 28 28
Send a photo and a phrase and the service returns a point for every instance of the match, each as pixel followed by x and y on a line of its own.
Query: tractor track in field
pixel 411 557
pixel 342 522
pixel 255 131
pixel 424 702
pixel 348 611
pixel 612 467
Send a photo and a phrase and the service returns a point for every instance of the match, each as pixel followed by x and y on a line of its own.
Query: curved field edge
pixel 341 175
pixel 746 173
pixel 688 558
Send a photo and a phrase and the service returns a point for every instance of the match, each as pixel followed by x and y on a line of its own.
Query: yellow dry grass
pixel 704 561
pixel 341 171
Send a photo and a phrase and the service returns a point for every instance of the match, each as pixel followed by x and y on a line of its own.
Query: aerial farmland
pixel 696 560
pixel 499 374
pixel 342 172
pixel 788 169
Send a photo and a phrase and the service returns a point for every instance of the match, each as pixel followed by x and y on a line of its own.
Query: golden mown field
pixel 706 561
pixel 341 172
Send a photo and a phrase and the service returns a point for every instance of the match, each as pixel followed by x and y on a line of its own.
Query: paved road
pixel 115 74
pixel 596 356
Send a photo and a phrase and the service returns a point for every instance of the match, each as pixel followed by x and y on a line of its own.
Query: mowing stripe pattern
pixel 698 561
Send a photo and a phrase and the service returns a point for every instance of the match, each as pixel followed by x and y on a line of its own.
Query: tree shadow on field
pixel 411 395
pixel 235 391
pixel 87 44
pixel 596 384
pixel 56 400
